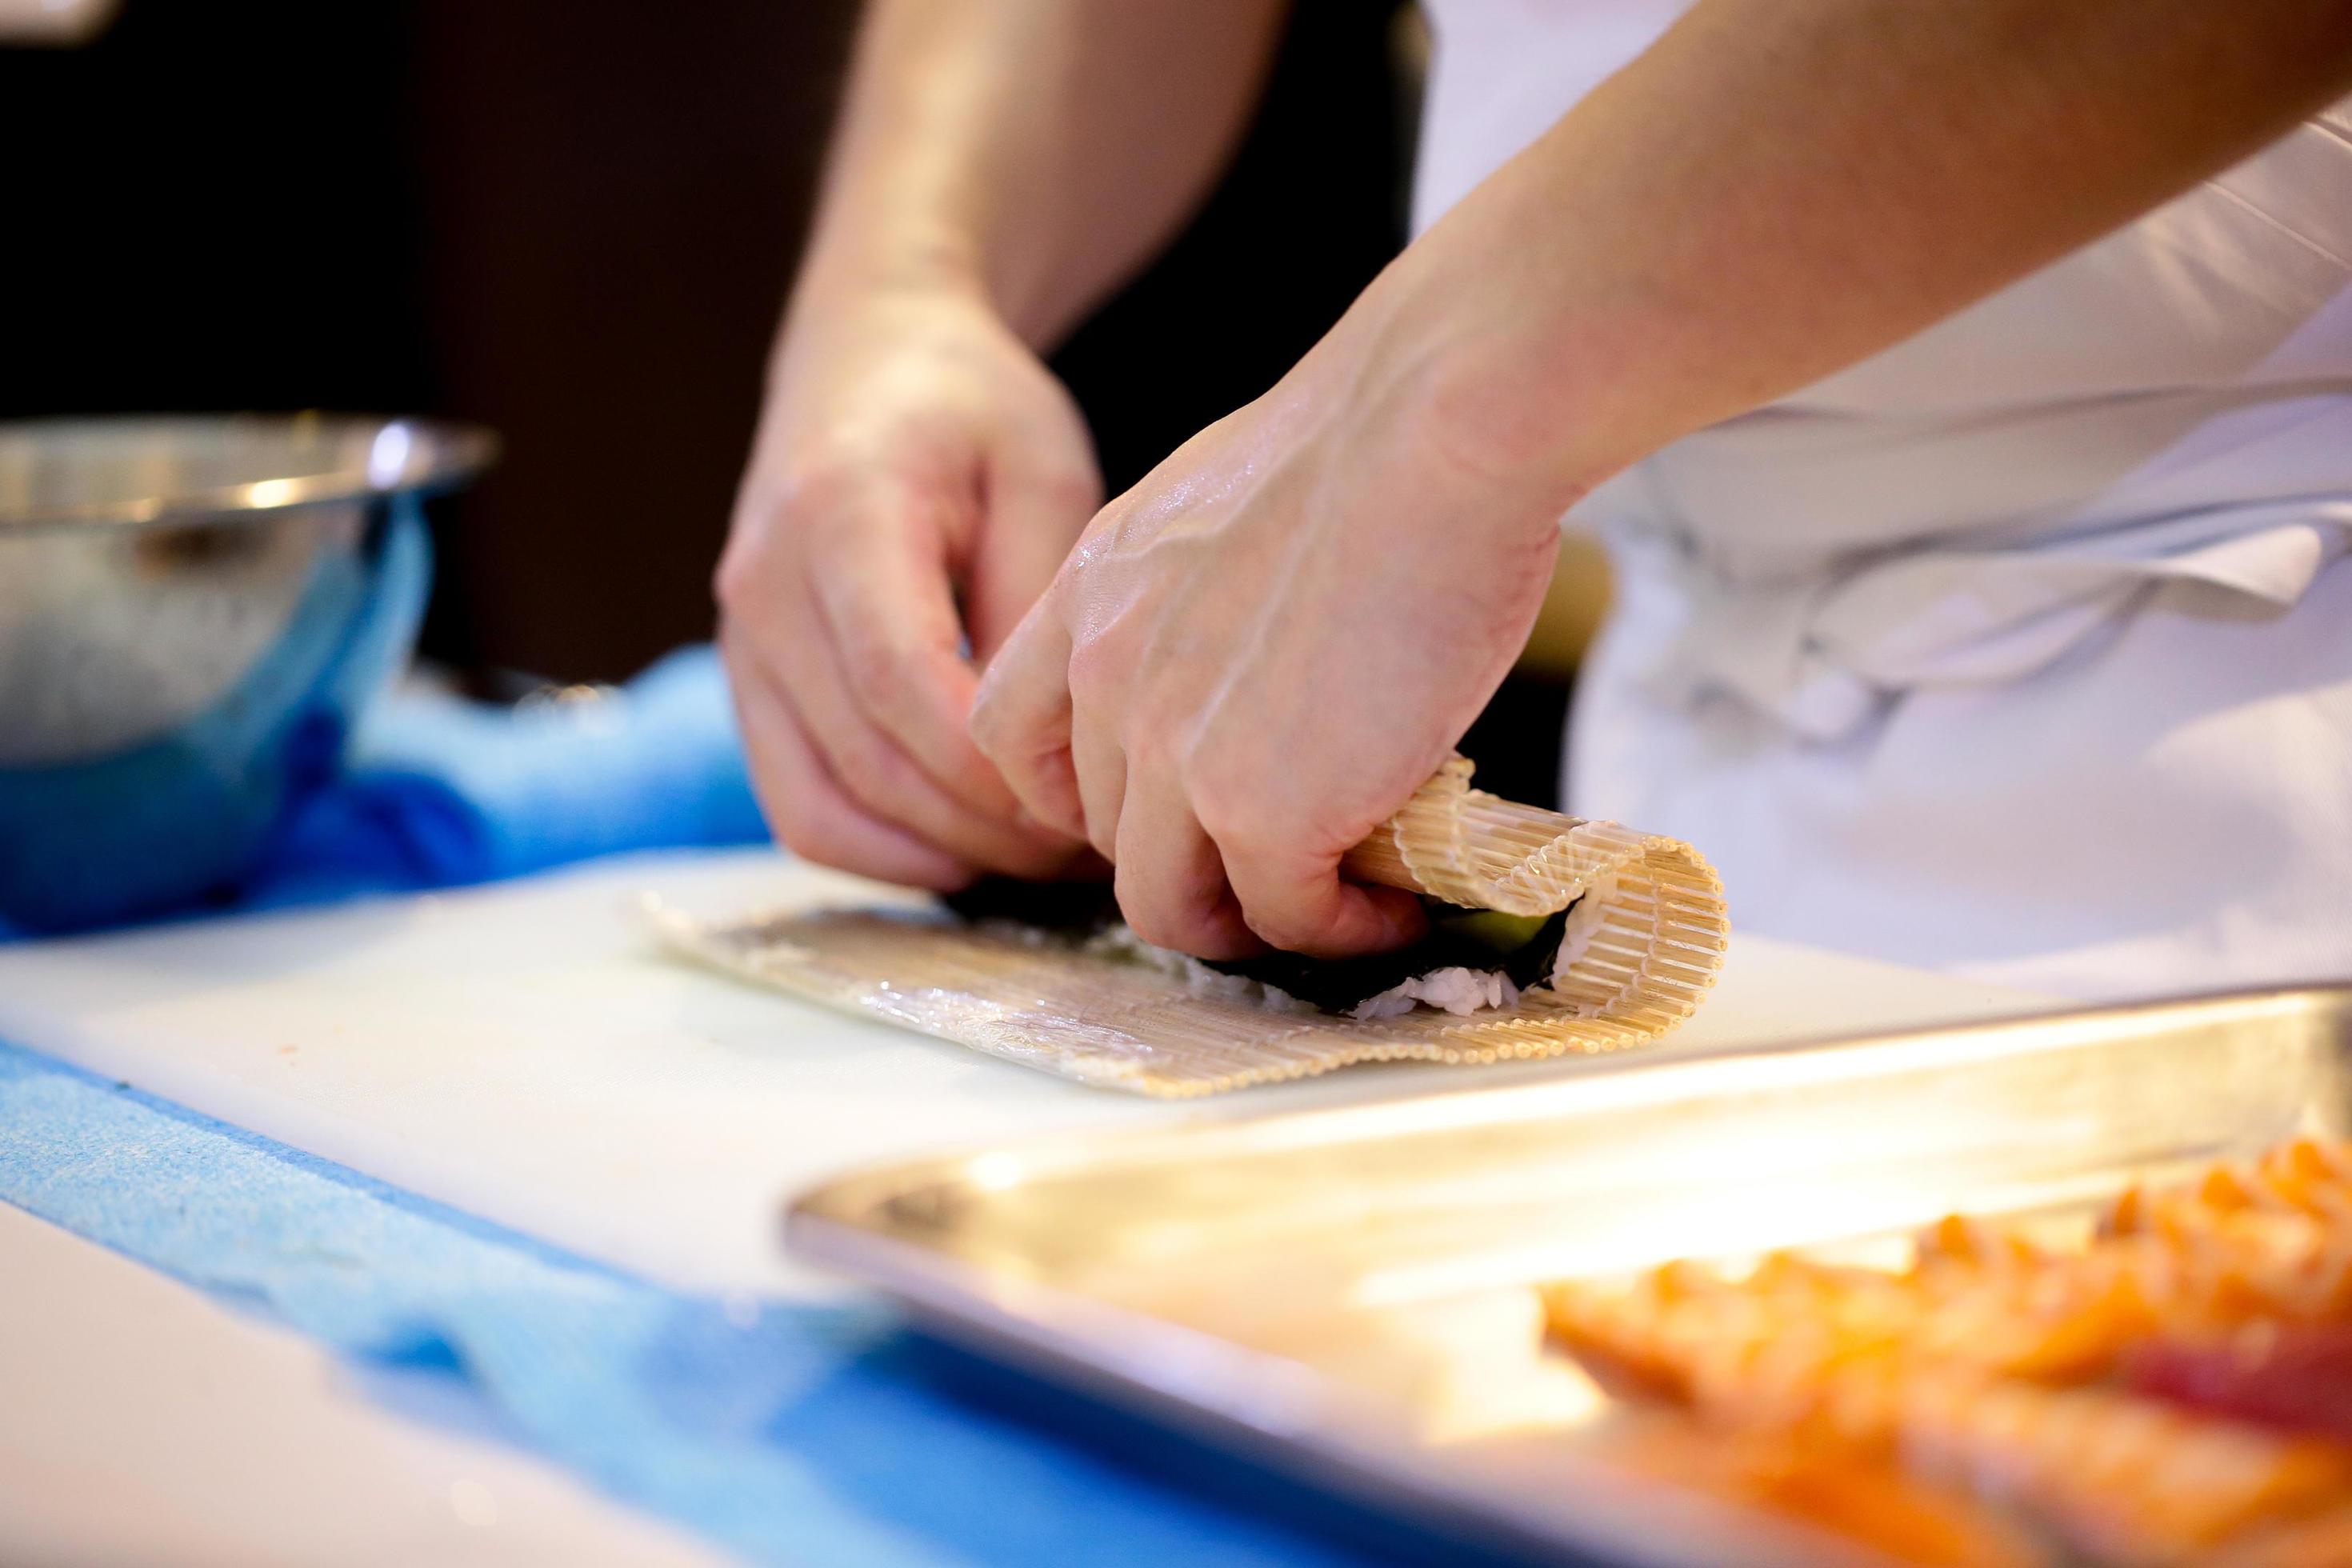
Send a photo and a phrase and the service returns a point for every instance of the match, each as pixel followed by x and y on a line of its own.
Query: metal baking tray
pixel 1346 1294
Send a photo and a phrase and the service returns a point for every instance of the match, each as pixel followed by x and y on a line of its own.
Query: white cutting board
pixel 525 1053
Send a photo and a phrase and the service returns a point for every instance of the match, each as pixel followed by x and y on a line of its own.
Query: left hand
pixel 1258 652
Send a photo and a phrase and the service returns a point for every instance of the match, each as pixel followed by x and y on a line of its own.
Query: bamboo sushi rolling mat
pixel 1646 940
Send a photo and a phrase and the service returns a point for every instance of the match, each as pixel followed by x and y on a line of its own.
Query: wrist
pixel 1548 358
pixel 1509 427
pixel 853 292
pixel 850 261
pixel 1528 399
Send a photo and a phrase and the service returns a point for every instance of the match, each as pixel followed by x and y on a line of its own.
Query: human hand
pixel 1254 657
pixel 916 479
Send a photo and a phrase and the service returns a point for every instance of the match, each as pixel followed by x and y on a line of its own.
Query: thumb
pixel 1034 515
pixel 1020 719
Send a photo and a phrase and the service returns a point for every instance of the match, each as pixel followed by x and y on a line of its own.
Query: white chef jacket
pixel 2022 649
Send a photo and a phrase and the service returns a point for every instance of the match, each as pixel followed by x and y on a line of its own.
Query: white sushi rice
pixel 1462 991
pixel 1583 924
pixel 1454 990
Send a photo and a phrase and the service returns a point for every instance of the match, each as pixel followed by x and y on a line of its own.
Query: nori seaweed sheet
pixel 1066 909
pixel 1521 947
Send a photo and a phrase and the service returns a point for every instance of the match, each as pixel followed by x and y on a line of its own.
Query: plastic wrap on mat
pixel 1642 950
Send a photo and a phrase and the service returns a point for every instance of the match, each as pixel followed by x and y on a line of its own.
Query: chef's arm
pixel 1781 187
pixel 1257 653
pixel 1039 151
pixel 917 474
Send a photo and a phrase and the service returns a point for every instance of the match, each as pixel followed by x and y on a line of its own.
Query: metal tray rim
pixel 1641 1078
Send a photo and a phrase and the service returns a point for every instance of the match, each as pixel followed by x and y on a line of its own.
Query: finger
pixel 1297 902
pixel 875 774
pixel 888 609
pixel 1033 518
pixel 1099 764
pixel 1021 720
pixel 1171 880
pixel 804 806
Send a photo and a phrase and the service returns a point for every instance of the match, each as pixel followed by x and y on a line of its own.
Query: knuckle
pixel 799 832
pixel 1147 914
pixel 1144 746
pixel 865 770
pixel 1094 672
pixel 815 486
pixel 1233 820
pixel 879 679
pixel 735 581
pixel 1278 927
pixel 991 727
pixel 1233 800
pixel 1049 793
pixel 1076 491
pixel 765 554
pixel 1151 925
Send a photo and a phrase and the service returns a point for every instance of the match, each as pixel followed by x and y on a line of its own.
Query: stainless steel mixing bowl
pixel 192 612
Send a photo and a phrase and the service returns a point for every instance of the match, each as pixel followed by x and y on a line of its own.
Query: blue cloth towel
pixel 788 1434
pixel 439 792
pixel 442 792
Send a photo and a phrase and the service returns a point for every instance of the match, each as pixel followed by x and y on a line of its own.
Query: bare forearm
pixel 1777 190
pixel 1036 150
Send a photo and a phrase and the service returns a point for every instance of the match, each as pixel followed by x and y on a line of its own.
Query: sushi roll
pixel 1516 898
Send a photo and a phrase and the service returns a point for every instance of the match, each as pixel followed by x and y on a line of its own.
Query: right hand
pixel 916 479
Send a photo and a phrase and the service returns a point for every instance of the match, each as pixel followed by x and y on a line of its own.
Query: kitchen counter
pixel 524 1053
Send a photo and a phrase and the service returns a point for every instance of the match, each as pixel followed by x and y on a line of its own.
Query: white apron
pixel 2022 649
